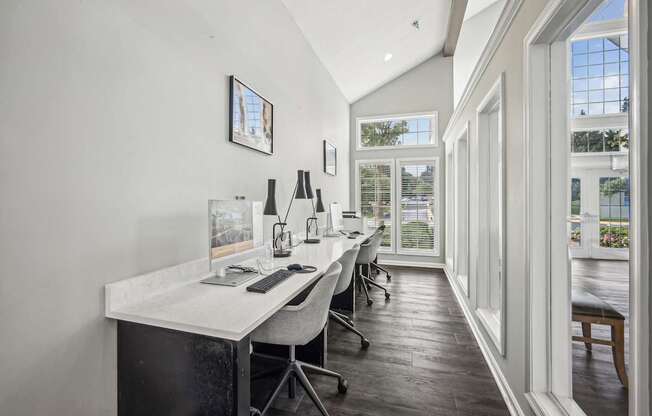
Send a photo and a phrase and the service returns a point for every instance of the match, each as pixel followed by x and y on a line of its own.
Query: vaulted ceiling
pixel 354 38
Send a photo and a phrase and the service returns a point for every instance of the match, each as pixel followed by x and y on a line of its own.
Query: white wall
pixel 508 59
pixel 426 87
pixel 474 34
pixel 113 135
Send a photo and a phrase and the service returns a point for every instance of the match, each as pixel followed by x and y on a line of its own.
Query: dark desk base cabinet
pixel 165 372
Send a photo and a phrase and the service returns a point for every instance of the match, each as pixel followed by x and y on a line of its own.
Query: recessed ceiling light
pixel 388 56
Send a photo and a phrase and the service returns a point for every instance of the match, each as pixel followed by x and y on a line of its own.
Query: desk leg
pixel 166 372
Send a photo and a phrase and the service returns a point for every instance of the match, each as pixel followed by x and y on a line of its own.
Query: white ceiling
pixel 351 37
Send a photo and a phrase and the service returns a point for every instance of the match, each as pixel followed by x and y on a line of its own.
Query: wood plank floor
pixel 423 359
pixel 596 387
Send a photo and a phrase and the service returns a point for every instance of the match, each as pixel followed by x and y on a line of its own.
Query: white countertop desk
pixel 177 300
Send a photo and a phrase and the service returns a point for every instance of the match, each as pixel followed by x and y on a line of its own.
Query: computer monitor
pixel 335 217
pixel 234 227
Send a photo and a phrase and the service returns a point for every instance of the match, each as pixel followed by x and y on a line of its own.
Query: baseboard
pixel 403 263
pixel 505 390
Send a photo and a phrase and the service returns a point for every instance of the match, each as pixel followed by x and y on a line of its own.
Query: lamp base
pixel 312 241
pixel 282 253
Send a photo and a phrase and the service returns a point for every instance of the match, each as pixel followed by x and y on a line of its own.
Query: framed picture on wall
pixel 251 118
pixel 330 158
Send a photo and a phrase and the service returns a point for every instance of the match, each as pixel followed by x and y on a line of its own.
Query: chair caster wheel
pixel 370 302
pixel 387 296
pixel 342 386
pixel 389 277
pixel 365 343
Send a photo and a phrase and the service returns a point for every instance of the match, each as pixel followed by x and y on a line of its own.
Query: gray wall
pixel 426 87
pixel 113 136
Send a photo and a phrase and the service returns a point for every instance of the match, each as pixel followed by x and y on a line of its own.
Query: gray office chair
pixel 375 264
pixel 348 264
pixel 298 325
pixel 368 253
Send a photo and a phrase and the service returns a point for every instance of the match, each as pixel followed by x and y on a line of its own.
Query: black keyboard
pixel 265 284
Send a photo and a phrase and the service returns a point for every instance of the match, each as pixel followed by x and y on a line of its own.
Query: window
pixel 575 239
pixel 398 131
pixel 595 141
pixel 490 199
pixel 419 226
pixel 375 190
pixel 600 76
pixel 614 212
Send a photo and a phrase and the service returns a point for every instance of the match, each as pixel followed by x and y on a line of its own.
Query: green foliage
pixel 614 237
pixel 383 133
pixel 612 186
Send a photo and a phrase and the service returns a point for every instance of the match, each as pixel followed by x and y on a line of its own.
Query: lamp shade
pixel 306 176
pixel 320 204
pixel 270 203
pixel 301 190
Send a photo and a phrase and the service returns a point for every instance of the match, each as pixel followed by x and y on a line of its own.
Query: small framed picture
pixel 330 158
pixel 251 118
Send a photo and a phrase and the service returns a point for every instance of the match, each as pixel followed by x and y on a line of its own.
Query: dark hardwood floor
pixel 423 359
pixel 596 387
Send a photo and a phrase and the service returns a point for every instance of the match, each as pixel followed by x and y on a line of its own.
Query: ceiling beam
pixel 455 20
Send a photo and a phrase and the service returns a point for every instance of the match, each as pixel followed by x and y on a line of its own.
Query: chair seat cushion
pixel 585 303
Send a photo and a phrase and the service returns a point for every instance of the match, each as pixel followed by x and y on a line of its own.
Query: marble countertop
pixel 174 298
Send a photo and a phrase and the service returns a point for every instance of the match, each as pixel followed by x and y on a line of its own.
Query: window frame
pixel 358 196
pixel 434 138
pixel 436 247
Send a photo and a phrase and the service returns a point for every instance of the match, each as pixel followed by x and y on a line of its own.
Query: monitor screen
pixel 336 220
pixel 234 227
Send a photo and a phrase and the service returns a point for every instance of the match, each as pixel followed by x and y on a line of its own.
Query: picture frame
pixel 251 118
pixel 330 158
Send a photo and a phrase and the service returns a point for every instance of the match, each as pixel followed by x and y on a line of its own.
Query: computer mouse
pixel 352 237
pixel 295 267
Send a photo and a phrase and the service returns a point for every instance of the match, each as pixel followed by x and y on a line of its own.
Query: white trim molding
pixel 493 319
pixel 549 373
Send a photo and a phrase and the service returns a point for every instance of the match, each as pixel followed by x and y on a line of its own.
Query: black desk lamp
pixel 320 208
pixel 299 192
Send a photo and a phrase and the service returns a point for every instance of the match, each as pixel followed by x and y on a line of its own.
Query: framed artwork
pixel 330 158
pixel 251 118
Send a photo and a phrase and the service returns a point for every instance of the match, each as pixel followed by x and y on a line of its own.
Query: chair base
pixel 344 321
pixel 296 369
pixel 378 267
pixel 365 282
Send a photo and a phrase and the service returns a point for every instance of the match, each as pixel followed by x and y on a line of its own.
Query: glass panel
pixel 614 212
pixel 595 84
pixel 580 110
pixel 612 94
pixel 580 97
pixel 376 197
pixel 596 58
pixel 575 237
pixel 594 70
pixel 581 46
pixel 582 72
pixel 580 85
pixel 596 96
pixel 395 132
pixel 612 107
pixel 596 109
pixel 417 202
pixel 609 10
pixel 596 141
pixel 579 142
pixel 595 45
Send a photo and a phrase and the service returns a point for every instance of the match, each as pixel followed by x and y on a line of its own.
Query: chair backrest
pixel 312 314
pixel 369 249
pixel 348 264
